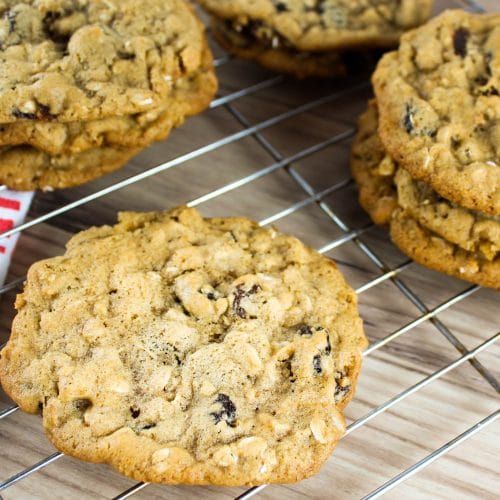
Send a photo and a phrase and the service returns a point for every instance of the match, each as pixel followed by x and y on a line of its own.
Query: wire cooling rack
pixel 345 234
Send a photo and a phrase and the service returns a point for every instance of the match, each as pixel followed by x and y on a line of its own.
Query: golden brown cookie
pixel 280 58
pixel 188 96
pixel 306 38
pixel 373 169
pixel 71 61
pixel 24 168
pixel 187 350
pixel 439 105
pixel 436 253
pixel 441 230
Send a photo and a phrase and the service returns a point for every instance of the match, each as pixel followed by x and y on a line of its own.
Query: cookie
pixel 439 105
pixel 304 37
pixel 321 25
pixel 68 61
pixel 279 58
pixel 470 230
pixel 424 247
pixel 24 168
pixel 372 169
pixel 189 95
pixel 427 227
pixel 187 350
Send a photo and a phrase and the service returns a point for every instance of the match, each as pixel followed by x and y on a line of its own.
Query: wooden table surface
pixel 389 443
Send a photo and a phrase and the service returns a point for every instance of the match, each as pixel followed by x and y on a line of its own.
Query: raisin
pixel 281 7
pixel 126 56
pixel 304 330
pixel 341 392
pixel 11 19
pixel 44 112
pixel 82 404
pixel 408 118
pixel 48 25
pixel 135 412
pixel 228 413
pixel 210 296
pixel 17 113
pixel 148 426
pixel 317 363
pixel 482 80
pixel 287 364
pixel 239 295
pixel 328 348
pixel 460 38
pixel 490 91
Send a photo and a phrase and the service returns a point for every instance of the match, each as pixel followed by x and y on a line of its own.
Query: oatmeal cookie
pixel 80 60
pixel 187 350
pixel 439 105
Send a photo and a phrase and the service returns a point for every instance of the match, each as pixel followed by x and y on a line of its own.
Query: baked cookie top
pixel 439 105
pixel 318 25
pixel 183 349
pixel 189 95
pixel 71 60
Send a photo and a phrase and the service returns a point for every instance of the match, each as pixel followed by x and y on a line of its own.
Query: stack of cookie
pixel 309 37
pixel 84 85
pixel 427 155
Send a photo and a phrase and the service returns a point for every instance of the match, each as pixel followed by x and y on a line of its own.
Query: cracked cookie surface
pixel 439 105
pixel 187 350
pixel 429 228
pixel 72 60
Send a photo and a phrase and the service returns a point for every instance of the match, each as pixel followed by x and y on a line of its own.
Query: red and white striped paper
pixel 14 206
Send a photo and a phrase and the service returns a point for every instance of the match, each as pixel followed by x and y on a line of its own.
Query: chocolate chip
pixel 148 426
pixel 135 412
pixel 408 118
pixel 281 7
pixel 211 296
pixel 460 38
pixel 228 413
pixel 317 363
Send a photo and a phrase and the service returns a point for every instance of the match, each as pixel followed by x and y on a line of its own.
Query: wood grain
pixel 391 442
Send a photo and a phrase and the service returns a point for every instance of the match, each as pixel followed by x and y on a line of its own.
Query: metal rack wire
pixel 348 234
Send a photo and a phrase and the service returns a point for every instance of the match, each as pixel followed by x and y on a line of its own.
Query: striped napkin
pixel 14 206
